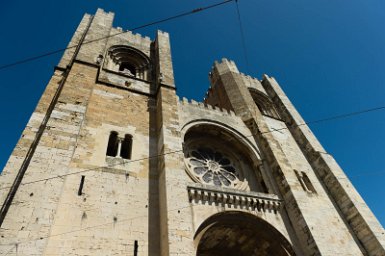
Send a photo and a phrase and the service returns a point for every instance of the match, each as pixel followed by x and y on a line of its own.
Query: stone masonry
pixel 112 162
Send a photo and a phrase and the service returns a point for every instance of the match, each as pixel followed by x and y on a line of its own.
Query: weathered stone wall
pixel 356 214
pixel 195 113
pixel 47 216
pixel 113 210
pixel 150 200
pixel 33 209
pixel 312 214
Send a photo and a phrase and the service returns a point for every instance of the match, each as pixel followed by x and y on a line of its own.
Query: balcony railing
pixel 254 201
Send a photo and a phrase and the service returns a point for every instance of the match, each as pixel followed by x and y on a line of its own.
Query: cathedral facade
pixel 112 162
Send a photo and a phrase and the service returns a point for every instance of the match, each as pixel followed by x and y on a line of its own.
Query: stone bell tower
pixel 111 162
pixel 75 172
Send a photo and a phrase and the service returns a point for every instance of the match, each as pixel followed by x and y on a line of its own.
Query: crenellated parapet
pixel 206 107
pixel 127 37
pixel 220 73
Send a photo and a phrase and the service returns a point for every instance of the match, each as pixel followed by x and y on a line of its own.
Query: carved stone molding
pixel 254 201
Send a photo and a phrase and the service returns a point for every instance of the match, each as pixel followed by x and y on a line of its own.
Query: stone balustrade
pixel 254 201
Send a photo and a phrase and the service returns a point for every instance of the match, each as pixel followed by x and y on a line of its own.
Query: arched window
pixel 113 143
pixel 264 104
pixel 129 61
pixel 125 151
pixel 119 147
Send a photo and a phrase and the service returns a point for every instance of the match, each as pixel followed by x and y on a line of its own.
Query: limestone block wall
pixel 356 214
pixel 68 54
pixel 97 37
pixel 284 157
pixel 252 82
pixel 49 217
pixel 114 209
pixel 32 212
pixel 16 158
pixel 137 41
pixel 316 208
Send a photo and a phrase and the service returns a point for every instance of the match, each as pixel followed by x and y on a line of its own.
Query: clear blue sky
pixel 329 57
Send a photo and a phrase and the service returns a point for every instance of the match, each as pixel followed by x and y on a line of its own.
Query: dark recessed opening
pixel 125 151
pixel 112 148
pixel 128 68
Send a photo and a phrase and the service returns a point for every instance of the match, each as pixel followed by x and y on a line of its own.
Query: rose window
pixel 212 167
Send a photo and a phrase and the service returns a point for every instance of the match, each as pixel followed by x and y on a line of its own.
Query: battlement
pixel 163 33
pixel 223 66
pixel 215 94
pixel 129 36
pixel 205 107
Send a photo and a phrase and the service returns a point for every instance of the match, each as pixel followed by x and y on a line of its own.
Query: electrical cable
pixel 327 119
pixel 116 34
pixel 177 151
pixel 90 227
pixel 94 226
pixel 242 37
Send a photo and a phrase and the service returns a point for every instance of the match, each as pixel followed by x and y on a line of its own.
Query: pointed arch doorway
pixel 240 234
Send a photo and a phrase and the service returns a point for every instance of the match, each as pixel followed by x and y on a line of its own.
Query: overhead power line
pixel 177 151
pixel 331 118
pixel 15 244
pixel 86 228
pixel 243 39
pixel 327 119
pixel 116 34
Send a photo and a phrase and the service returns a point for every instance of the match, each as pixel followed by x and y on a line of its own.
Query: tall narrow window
pixel 305 182
pixel 308 183
pixel 125 151
pixel 113 144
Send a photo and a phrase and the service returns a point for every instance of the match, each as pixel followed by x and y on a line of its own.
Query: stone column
pixel 175 220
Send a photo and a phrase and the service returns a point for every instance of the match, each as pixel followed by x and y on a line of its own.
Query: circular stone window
pixel 210 166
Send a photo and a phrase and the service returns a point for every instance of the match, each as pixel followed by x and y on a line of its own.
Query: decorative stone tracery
pixel 128 61
pixel 210 166
pixel 216 157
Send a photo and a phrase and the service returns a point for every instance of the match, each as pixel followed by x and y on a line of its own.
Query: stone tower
pixel 113 163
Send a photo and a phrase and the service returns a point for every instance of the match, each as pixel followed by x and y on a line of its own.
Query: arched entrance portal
pixel 240 234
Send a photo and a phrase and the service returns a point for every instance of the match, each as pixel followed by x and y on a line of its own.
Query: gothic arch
pixel 238 233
